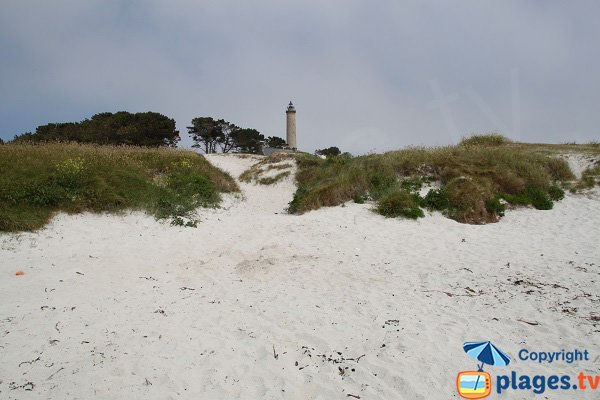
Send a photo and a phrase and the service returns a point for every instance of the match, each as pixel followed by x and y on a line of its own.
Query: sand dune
pixel 256 303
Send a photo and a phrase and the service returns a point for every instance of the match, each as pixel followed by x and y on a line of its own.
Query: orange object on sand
pixel 19 273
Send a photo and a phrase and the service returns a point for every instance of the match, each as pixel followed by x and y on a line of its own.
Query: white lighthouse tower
pixel 291 126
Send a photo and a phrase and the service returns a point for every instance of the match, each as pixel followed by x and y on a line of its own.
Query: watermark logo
pixel 474 384
pixel 478 384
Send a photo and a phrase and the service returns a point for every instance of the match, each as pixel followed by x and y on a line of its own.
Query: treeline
pixel 150 129
pixel 211 135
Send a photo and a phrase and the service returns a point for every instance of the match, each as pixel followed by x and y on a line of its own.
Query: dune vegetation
pixel 262 171
pixel 39 180
pixel 473 182
pixel 590 177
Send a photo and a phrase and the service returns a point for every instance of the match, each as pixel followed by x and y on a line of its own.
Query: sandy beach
pixel 255 303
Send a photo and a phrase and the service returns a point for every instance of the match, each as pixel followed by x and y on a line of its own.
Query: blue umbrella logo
pixel 486 353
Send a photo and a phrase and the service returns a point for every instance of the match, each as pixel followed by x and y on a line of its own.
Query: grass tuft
pixel 269 180
pixel 490 139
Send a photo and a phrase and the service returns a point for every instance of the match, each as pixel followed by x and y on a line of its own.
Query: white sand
pixel 124 307
pixel 579 162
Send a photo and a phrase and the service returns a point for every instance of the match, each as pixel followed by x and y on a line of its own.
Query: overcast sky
pixel 364 75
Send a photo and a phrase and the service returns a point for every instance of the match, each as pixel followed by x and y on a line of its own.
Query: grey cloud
pixel 362 73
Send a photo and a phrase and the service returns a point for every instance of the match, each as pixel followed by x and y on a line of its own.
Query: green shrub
pixel 436 199
pixel 399 204
pixel 520 199
pixel 178 221
pixel 495 206
pixel 381 182
pixel 194 187
pixel 539 198
pixel 536 196
pixel 43 194
pixel 359 198
pixel 299 195
pixel 412 184
pixel 556 193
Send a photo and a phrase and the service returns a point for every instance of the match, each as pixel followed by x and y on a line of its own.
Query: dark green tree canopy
pixel 328 152
pixel 205 132
pixel 276 142
pixel 247 140
pixel 210 134
pixel 140 129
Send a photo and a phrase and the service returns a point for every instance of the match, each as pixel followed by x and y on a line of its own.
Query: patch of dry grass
pixel 590 177
pixel 269 180
pixel 274 162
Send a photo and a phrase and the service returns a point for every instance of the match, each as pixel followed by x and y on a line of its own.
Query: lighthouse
pixel 291 126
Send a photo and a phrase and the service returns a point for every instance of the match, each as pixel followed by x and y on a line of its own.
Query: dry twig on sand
pixel 529 322
pixel 52 376
pixel 30 362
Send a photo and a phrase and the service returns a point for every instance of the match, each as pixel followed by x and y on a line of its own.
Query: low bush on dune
pixel 495 206
pixel 490 139
pixel 399 203
pixel 556 193
pixel 40 180
pixel 469 198
pixel 476 179
pixel 360 198
pixel 436 200
pixel 299 198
